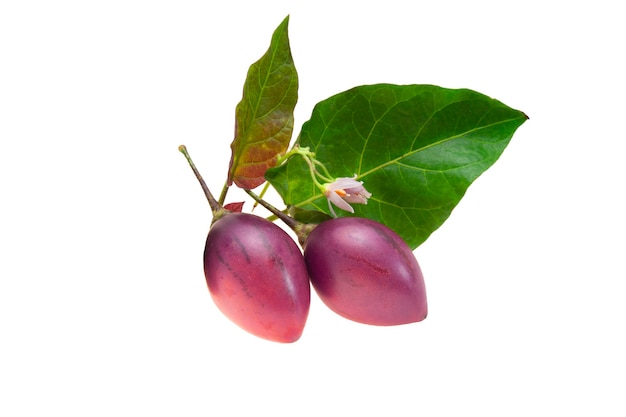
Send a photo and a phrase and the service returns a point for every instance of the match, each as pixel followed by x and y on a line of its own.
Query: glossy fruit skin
pixel 364 271
pixel 257 276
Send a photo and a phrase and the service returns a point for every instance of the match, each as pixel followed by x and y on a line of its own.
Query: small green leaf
pixel 417 148
pixel 264 116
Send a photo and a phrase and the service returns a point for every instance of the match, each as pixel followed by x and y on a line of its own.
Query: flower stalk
pixel 341 191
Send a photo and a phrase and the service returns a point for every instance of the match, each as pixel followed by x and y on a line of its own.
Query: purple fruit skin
pixel 257 277
pixel 365 272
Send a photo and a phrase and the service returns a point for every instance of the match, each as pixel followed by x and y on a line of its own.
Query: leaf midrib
pixel 412 152
pixel 263 85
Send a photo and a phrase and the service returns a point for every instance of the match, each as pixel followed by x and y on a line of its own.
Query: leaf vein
pixel 439 142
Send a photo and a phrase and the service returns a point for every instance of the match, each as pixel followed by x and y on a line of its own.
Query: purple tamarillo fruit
pixel 257 276
pixel 364 271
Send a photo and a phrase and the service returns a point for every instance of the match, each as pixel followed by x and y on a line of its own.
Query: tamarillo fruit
pixel 365 272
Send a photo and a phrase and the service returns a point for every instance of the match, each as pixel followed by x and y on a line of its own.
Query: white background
pixel 103 305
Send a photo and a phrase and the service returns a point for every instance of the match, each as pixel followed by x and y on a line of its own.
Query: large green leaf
pixel 417 148
pixel 264 116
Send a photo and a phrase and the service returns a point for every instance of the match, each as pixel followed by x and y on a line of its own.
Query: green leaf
pixel 417 148
pixel 264 116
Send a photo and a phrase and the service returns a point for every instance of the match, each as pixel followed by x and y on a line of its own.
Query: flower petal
pixel 343 183
pixel 339 202
pixel 343 191
pixel 356 198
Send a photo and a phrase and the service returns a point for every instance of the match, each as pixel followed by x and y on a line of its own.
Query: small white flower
pixel 345 190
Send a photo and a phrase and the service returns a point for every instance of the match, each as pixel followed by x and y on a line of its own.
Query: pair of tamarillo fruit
pixel 261 280
pixel 361 269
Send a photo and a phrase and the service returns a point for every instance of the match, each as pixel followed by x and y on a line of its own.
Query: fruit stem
pixel 215 206
pixel 301 230
pixel 289 221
